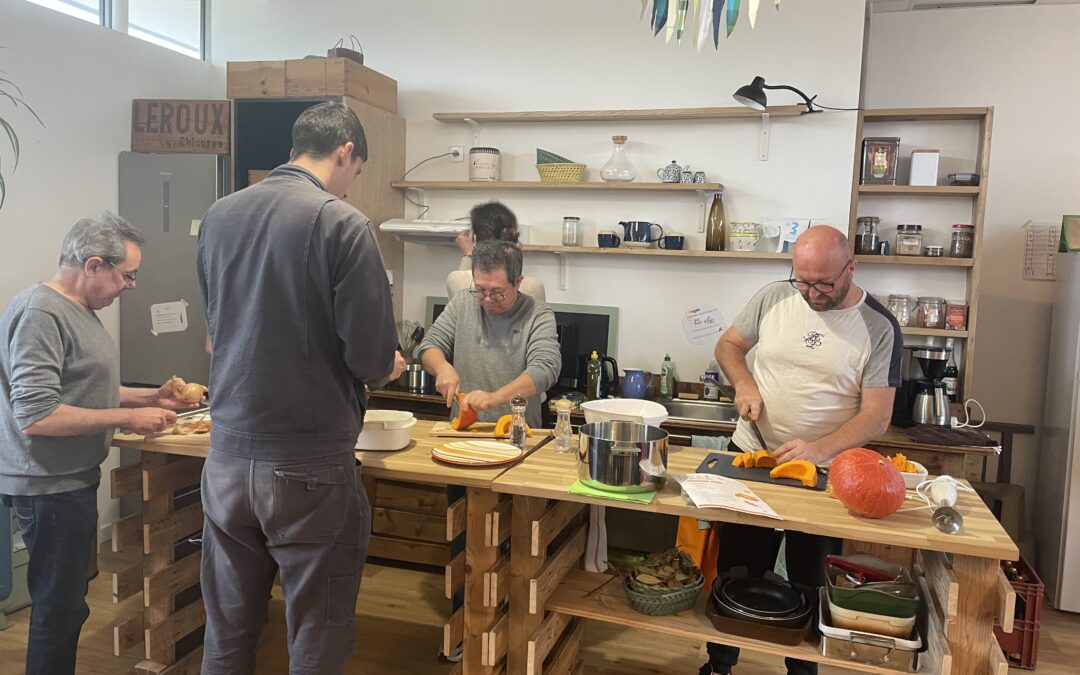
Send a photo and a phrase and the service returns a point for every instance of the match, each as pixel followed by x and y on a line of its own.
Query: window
pixel 173 24
pixel 87 10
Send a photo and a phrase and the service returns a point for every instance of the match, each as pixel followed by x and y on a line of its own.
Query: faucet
pixel 709 379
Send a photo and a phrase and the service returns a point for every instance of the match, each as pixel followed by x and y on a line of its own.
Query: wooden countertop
pixel 413 463
pixel 549 474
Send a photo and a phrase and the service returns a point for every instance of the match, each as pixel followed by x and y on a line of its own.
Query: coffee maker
pixel 931 402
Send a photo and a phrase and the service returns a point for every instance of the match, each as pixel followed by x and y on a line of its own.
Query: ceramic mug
pixel 687 176
pixel 699 177
pixel 640 231
pixel 607 239
pixel 635 383
pixel 743 236
pixel 672 242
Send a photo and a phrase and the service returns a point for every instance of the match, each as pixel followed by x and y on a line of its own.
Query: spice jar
pixel 900 307
pixel 571 231
pixel 908 239
pixel 866 235
pixel 956 314
pixel 930 312
pixel 934 251
pixel 485 164
pixel 963 241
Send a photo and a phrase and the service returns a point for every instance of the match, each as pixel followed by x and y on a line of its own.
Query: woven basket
pixel 662 603
pixel 561 173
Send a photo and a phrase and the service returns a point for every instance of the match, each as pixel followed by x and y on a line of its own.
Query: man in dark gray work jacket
pixel 60 401
pixel 299 318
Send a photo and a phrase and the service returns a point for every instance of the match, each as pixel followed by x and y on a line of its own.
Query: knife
pixel 757 434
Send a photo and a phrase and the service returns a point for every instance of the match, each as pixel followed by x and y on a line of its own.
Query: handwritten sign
pixel 168 317
pixel 703 325
pixel 180 126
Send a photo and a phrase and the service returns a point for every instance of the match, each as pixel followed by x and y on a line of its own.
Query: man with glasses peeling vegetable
pixel 826 368
pixel 493 342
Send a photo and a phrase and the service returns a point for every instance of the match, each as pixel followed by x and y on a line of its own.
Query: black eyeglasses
pixel 819 286
pixel 497 296
pixel 129 277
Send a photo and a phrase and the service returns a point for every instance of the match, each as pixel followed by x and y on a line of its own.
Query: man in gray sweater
pixel 494 342
pixel 60 401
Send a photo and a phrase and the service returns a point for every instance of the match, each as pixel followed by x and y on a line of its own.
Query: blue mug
pixel 635 383
pixel 672 242
pixel 607 240
pixel 640 231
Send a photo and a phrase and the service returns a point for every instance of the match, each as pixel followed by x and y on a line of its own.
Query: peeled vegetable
pixel 502 425
pixel 799 469
pixel 901 462
pixel 867 483
pixel 188 392
pixel 465 418
pixel 761 459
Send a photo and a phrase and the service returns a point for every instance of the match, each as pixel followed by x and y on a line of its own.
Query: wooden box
pixel 255 79
pixel 308 78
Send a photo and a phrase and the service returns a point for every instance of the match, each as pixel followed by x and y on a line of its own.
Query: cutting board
pixel 720 464
pixel 477 430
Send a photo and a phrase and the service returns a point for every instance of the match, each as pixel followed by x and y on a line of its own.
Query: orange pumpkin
pixel 799 469
pixel 867 483
pixel 465 418
pixel 763 459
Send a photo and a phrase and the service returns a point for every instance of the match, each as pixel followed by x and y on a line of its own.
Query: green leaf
pixel 12 138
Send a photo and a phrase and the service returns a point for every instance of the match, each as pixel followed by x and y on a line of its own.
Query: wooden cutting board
pixel 477 430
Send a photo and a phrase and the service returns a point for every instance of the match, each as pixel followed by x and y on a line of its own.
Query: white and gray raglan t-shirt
pixel 811 367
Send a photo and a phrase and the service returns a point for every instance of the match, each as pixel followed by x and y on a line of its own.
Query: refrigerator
pixel 162 326
pixel 1057 501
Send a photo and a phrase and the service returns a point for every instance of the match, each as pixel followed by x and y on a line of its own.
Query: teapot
pixel 672 173
pixel 635 382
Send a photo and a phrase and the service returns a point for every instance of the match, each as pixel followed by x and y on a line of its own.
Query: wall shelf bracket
pixel 475 131
pixel 763 141
pixel 564 275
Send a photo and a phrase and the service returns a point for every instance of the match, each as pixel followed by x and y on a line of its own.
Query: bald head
pixel 821 244
pixel 821 255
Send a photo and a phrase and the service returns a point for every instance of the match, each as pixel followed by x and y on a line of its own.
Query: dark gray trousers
pixel 307 520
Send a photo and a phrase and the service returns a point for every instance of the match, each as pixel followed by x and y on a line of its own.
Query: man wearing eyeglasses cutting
pixel 494 342
pixel 826 368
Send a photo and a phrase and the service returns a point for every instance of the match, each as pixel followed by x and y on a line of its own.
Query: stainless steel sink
pixel 702 411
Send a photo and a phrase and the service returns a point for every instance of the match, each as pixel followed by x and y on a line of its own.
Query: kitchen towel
pixel 579 488
pixel 710 442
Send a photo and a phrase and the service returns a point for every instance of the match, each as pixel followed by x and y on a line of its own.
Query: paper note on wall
pixel 703 325
pixel 168 317
pixel 1040 244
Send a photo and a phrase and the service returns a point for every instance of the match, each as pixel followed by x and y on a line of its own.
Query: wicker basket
pixel 561 173
pixel 662 603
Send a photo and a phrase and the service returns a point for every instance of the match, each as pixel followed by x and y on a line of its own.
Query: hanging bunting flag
pixel 672 13
pixel 704 23
pixel 732 15
pixel 717 11
pixel 777 4
pixel 646 5
pixel 680 21
pixel 659 16
pixel 753 8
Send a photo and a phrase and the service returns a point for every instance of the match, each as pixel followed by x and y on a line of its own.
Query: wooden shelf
pixel 922 190
pixel 914 260
pixel 933 332
pixel 538 185
pixel 577 596
pixel 654 114
pixel 592 250
pixel 924 114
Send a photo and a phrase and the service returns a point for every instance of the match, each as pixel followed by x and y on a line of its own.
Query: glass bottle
pixel 564 435
pixel 592 378
pixel 714 229
pixel 518 429
pixel 667 378
pixel 951 376
pixel 618 167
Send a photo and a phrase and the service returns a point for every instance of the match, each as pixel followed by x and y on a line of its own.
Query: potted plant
pixel 10 94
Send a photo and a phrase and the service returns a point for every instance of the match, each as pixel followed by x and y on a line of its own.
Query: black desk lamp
pixel 753 95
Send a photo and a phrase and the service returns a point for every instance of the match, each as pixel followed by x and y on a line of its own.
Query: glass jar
pixel 963 241
pixel 571 231
pixel 909 239
pixel 934 251
pixel 618 167
pixel 564 434
pixel 900 307
pixel 866 235
pixel 930 312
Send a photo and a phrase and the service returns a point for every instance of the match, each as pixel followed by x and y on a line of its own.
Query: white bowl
pixel 625 410
pixel 386 430
pixel 912 480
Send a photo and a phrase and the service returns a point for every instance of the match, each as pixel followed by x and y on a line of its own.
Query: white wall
pixel 1023 61
pixel 80 79
pixel 568 54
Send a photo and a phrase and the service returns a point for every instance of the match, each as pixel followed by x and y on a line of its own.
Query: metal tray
pixel 877 650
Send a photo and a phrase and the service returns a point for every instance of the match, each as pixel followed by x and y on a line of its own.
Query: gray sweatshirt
pixel 299 312
pixel 52 351
pixel 490 350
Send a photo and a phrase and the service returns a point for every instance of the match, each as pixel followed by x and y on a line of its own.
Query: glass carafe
pixel 618 167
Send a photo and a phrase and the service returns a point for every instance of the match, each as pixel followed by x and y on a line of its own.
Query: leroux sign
pixel 184 126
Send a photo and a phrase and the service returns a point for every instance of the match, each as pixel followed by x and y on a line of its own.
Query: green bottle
pixel 714 228
pixel 592 377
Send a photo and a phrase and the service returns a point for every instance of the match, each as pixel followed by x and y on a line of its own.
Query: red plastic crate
pixel 1021 647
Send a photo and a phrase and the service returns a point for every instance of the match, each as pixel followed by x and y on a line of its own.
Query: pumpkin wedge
pixel 763 459
pixel 465 418
pixel 799 469
pixel 744 460
pixel 502 425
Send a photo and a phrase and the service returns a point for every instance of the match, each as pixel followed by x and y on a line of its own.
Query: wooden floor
pixel 401 613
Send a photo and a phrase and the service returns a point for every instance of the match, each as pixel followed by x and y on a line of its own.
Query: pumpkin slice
pixel 799 469
pixel 763 459
pixel 465 418
pixel 502 425
pixel 744 460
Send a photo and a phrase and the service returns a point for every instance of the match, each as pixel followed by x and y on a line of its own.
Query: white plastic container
pixel 624 410
pixel 912 480
pixel 924 166
pixel 386 430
